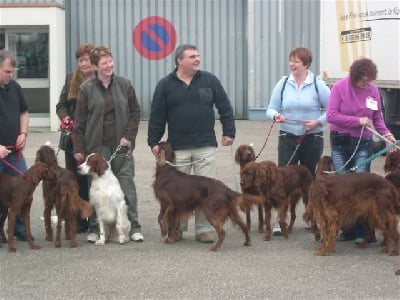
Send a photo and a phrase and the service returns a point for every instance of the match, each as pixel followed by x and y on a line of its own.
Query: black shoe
pixel 344 238
pixel 360 240
pixel 82 230
pixel 20 236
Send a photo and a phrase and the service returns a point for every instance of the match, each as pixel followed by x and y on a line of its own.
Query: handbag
pixel 65 142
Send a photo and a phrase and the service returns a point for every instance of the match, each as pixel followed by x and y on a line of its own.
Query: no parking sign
pixel 154 37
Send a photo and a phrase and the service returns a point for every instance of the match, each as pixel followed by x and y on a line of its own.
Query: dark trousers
pixel 306 151
pixel 83 183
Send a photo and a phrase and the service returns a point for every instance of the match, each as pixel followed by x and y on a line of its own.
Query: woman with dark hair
pixel 354 104
pixel 66 112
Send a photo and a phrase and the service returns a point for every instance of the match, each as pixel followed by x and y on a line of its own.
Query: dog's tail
pixel 86 209
pixel 76 201
pixel 245 201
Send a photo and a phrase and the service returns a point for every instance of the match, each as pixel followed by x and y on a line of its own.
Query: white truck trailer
pixel 364 28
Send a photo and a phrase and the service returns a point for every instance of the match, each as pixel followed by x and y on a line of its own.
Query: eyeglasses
pixel 363 82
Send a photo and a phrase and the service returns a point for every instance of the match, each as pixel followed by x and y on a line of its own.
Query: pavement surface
pixel 278 269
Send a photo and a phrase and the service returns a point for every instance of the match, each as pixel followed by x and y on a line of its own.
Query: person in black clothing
pixel 14 120
pixel 185 100
pixel 66 112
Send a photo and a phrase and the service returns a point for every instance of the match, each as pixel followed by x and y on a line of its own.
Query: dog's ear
pixel 161 156
pixel 271 172
pixel 392 161
pixel 237 154
pixel 260 174
pixel 169 153
pixel 99 165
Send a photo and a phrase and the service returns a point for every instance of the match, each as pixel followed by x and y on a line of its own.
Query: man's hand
pixel 4 152
pixel 227 141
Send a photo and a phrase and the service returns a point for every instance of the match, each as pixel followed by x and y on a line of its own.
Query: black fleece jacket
pixel 189 111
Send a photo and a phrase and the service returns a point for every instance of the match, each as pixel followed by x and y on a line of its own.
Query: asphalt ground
pixel 278 269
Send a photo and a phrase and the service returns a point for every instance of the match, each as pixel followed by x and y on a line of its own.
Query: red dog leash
pixel 13 167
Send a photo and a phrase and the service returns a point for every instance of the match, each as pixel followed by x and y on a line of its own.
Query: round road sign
pixel 154 37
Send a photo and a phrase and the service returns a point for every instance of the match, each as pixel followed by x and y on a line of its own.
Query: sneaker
pixel 205 237
pixel 92 237
pixel 137 237
pixel 308 225
pixel 276 231
pixel 54 220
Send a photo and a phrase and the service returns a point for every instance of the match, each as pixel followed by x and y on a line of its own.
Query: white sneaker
pixel 54 220
pixel 308 225
pixel 92 237
pixel 137 237
pixel 276 230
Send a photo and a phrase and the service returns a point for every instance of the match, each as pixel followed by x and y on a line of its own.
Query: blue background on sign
pixel 149 43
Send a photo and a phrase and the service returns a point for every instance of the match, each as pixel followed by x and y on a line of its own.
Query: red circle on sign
pixel 154 37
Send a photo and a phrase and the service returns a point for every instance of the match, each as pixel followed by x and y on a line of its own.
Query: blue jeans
pixel 347 153
pixel 19 165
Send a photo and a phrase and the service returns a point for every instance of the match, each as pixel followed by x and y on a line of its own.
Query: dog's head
pixel 248 176
pixel 94 164
pixel 165 153
pixel 47 155
pixel 392 162
pixel 325 164
pixel 39 171
pixel 244 154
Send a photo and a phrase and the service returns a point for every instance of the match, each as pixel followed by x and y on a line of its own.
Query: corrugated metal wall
pixel 216 27
pixel 33 1
pixel 244 42
pixel 275 27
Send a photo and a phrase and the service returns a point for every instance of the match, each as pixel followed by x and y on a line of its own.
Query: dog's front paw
pixel 123 239
pixel 100 242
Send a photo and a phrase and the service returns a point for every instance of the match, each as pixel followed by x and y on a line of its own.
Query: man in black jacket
pixel 185 100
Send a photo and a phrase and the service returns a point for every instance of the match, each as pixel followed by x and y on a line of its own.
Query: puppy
pixel 107 198
pixel 179 194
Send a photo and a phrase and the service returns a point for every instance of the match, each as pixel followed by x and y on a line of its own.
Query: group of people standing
pixel 303 104
pixel 105 114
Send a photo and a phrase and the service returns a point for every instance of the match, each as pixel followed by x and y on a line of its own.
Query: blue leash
pixel 377 154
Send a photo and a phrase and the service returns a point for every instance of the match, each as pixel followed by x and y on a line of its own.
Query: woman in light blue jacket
pixel 298 104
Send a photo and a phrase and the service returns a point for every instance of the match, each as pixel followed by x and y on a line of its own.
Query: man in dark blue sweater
pixel 185 100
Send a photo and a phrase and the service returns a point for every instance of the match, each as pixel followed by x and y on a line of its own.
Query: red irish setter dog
pixel 323 168
pixel 392 167
pixel 179 194
pixel 63 194
pixel 338 200
pixel 280 187
pixel 16 197
pixel 392 162
pixel 243 155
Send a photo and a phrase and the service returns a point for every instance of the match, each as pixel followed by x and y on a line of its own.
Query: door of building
pixel 30 46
